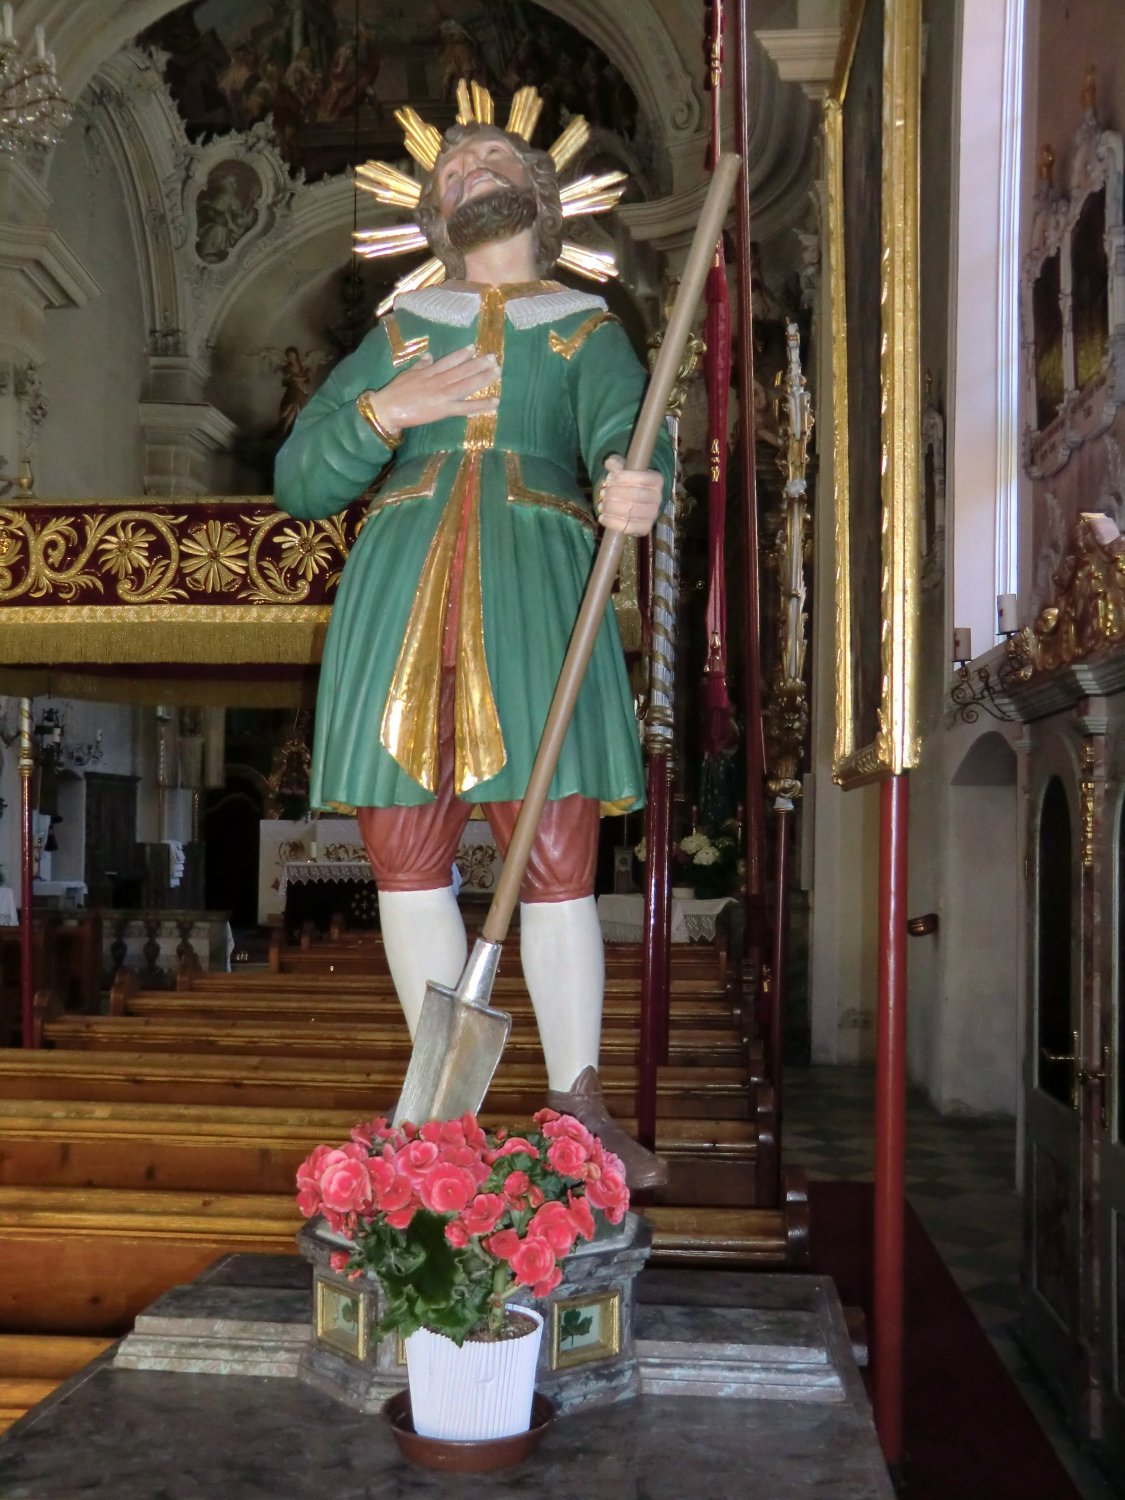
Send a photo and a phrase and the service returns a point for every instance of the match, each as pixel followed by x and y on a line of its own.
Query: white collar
pixel 459 308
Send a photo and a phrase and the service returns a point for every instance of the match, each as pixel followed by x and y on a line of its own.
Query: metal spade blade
pixel 457 1046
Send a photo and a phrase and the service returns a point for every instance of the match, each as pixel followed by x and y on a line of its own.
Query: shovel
pixel 460 1037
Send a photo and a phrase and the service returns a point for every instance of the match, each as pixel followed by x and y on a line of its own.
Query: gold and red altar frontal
pixel 217 589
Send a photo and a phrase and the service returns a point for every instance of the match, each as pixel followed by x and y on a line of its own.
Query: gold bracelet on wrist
pixel 367 411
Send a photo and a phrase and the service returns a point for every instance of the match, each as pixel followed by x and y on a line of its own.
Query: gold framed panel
pixel 871 134
pixel 341 1318
pixel 585 1329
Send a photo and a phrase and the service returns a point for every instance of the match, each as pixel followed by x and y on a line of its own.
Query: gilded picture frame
pixel 585 1329
pixel 872 159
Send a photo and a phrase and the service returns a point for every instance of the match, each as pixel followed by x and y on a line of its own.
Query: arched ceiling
pixel 656 44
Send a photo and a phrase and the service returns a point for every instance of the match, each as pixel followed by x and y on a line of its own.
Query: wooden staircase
pixel 136 1147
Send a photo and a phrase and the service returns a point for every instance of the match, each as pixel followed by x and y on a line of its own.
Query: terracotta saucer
pixel 453 1457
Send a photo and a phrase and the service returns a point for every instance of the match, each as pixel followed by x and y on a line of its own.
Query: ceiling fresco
pixel 330 74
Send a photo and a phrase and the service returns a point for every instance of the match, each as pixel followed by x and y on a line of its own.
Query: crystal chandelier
pixel 33 111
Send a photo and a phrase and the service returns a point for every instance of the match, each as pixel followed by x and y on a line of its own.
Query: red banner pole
pixel 890 1119
pixel 27 972
pixel 755 747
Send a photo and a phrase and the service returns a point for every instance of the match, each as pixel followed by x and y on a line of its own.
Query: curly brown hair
pixel 547 233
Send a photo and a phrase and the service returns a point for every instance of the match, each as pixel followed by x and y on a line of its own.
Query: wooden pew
pixel 33 1365
pixel 388 1040
pixel 363 1086
pixel 87 1260
pixel 238 1150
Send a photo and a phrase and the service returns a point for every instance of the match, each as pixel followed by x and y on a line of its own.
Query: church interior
pixel 864 942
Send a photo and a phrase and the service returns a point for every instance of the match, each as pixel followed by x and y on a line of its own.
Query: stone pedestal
pixel 588 1353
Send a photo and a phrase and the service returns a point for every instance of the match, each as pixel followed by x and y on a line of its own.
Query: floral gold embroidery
pixel 214 557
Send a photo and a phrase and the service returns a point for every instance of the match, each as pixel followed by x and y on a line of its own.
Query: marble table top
pixel 135 1434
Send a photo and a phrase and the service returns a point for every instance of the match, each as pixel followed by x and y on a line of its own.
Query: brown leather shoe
pixel 585 1101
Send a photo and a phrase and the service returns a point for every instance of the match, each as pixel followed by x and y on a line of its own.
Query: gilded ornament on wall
pixel 1087 611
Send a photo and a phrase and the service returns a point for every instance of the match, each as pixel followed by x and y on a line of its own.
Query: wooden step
pixel 388 1041
pixel 44 1356
pixel 89 1260
pixel 242 1002
pixel 695 958
pixel 363 982
pixel 17 1397
pixel 185 1147
pixel 362 1087
pixel 33 1365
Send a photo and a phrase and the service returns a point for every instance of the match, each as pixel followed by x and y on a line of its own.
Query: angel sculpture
pixel 298 375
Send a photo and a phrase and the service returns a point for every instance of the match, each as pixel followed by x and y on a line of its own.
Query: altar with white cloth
pixel 622 918
pixel 317 850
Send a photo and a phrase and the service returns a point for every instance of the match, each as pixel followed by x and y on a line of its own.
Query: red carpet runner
pixel 969 1434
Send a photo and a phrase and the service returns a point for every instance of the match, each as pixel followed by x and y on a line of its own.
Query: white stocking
pixel 424 939
pixel 564 966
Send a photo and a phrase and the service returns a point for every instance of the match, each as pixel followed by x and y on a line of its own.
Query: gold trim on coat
pixel 479 742
pixel 403 350
pixel 422 488
pixel 410 731
pixel 520 494
pixel 568 348
pixel 480 430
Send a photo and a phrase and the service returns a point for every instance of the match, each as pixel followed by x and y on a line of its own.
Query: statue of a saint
pixel 459 597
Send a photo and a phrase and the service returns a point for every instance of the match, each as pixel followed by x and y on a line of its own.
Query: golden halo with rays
pixel 592 194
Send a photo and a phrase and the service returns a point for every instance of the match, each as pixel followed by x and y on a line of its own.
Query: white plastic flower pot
pixel 482 1390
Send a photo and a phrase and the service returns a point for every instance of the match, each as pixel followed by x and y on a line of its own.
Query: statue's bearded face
pixel 485 193
pixel 488 186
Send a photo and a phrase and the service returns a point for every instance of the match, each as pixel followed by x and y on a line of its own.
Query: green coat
pixel 571 387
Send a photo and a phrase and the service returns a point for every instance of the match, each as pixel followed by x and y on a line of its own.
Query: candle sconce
pixel 24 481
pixel 983 687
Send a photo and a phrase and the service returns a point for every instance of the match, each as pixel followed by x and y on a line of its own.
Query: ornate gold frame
pixel 608 1343
pixel 895 746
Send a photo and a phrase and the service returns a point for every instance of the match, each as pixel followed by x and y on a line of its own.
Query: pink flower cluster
pixel 522 1201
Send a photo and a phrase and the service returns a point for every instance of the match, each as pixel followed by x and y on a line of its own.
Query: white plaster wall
pixel 964 1031
pixel 972 436
pixel 91 443
pixel 980 1043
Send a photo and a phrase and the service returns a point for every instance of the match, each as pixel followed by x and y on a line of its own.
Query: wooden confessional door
pixel 1058 1269
pixel 1109 1098
pixel 113 870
